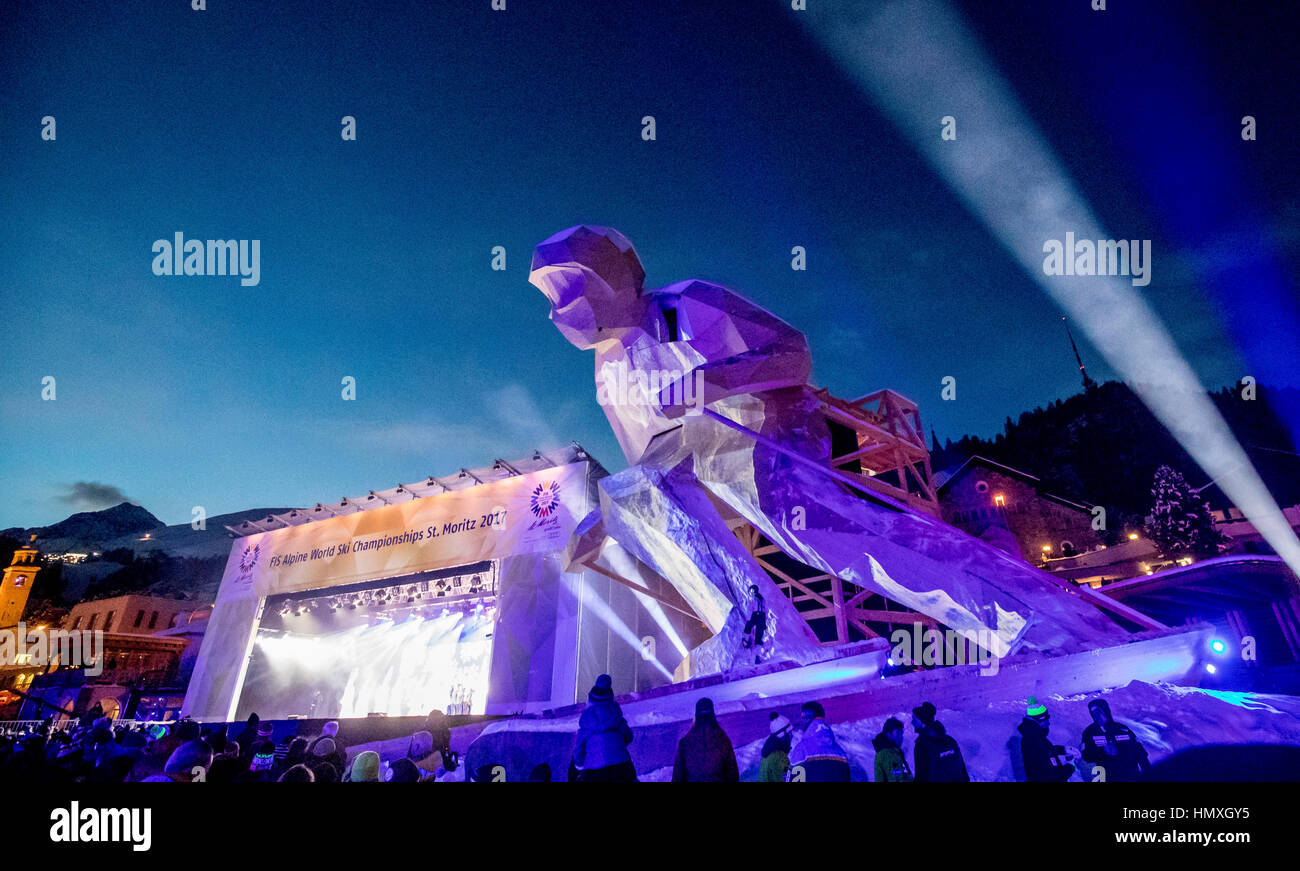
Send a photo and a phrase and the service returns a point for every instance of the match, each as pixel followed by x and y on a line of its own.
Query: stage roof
pixel 499 470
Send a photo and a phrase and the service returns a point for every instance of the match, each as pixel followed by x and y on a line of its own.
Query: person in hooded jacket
pixel 936 756
pixel 705 754
pixel 818 757
pixel 776 750
pixel 1113 746
pixel 601 753
pixel 891 763
pixel 1045 762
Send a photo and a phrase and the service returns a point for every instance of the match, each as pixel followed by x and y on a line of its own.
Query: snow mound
pixel 1167 719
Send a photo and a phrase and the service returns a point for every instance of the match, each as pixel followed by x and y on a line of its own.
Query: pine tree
pixel 1181 522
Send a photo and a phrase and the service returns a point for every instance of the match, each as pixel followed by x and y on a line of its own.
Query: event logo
pixel 248 562
pixel 545 499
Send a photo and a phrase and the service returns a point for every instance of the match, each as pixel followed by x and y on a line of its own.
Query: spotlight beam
pixel 918 63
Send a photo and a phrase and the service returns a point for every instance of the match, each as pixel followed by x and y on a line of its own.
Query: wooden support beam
pixel 615 576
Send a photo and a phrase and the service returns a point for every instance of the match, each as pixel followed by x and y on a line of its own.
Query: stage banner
pixel 530 513
pixel 533 513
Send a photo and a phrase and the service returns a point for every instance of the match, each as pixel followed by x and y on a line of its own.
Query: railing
pixel 11 728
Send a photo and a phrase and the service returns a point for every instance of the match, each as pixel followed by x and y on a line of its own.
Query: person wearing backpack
pixel 936 756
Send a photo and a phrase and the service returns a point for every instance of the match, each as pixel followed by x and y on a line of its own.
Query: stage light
pixel 1219 646
pixel 1211 668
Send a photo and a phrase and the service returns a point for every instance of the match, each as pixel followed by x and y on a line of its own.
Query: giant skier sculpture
pixel 663 357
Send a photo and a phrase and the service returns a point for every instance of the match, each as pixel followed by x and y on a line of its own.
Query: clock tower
pixel 16 585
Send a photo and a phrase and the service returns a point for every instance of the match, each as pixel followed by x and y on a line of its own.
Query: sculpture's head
pixel 593 279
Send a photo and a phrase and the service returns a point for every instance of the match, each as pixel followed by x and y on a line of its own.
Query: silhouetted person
pixel 936 756
pixel 601 753
pixel 705 754
pixel 1113 746
pixel 1044 761
pixel 757 624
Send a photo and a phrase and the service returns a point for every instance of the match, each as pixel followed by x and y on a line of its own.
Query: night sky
pixel 478 128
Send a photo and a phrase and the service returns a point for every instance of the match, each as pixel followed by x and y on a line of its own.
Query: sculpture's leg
pixel 668 522
pixel 988 596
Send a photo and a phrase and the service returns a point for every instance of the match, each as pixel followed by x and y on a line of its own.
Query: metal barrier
pixel 11 728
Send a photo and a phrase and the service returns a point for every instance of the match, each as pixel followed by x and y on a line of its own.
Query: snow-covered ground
pixel 1165 718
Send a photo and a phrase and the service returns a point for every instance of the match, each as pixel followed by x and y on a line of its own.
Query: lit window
pixel 1000 500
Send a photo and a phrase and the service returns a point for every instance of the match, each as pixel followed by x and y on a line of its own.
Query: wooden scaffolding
pixel 878 442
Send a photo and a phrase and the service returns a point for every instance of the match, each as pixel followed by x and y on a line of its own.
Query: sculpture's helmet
pixel 564 264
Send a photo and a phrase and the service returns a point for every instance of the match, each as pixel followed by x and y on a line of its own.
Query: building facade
pixel 1008 508
pixel 145 653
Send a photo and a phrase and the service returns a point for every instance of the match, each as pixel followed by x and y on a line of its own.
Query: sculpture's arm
pixel 767 368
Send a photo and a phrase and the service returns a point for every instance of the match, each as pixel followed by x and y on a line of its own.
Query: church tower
pixel 16 585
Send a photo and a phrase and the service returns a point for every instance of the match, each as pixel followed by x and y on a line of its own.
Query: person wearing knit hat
pixel 1044 762
pixel 1112 748
pixel 936 757
pixel 776 749
pixel 705 753
pixel 891 763
pixel 601 753
pixel 602 690
pixel 404 771
pixel 261 761
pixel 365 768
pixel 330 749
